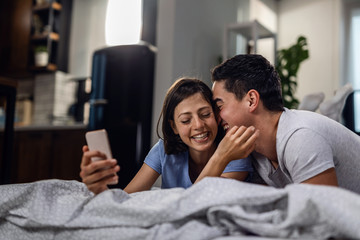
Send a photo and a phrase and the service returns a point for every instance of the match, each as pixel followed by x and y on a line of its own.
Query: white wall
pixel 87 34
pixel 319 21
pixel 189 41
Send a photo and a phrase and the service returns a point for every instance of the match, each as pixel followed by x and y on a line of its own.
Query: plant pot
pixel 41 59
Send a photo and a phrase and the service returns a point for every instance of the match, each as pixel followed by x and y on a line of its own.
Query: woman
pixel 188 151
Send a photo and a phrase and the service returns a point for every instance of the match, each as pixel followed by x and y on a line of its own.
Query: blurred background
pixel 54 52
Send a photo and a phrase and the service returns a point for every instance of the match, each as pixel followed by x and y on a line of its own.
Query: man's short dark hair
pixel 244 72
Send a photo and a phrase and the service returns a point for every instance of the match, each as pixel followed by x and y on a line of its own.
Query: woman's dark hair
pixel 180 90
pixel 244 72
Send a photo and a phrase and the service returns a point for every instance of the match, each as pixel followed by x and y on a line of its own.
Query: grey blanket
pixel 215 208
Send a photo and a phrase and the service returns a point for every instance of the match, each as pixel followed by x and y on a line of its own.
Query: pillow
pixel 311 101
pixel 333 108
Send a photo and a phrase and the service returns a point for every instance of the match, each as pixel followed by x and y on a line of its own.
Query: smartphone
pixel 98 141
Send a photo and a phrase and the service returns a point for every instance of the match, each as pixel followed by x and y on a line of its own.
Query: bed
pixel 214 208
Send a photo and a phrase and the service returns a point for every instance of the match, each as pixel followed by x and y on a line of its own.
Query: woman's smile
pixel 194 121
pixel 202 137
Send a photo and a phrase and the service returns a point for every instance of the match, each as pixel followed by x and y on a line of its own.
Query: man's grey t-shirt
pixel 307 144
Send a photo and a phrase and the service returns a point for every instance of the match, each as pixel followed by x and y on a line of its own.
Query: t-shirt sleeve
pixel 153 158
pixel 239 165
pixel 306 155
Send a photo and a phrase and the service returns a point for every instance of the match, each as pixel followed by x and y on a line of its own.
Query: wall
pixel 319 21
pixel 189 41
pixel 87 34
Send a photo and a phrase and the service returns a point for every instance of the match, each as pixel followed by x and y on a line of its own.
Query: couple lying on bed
pixel 283 146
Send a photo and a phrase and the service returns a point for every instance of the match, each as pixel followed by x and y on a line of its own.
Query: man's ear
pixel 253 99
pixel 173 126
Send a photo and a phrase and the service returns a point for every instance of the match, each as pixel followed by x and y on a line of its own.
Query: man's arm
pixel 328 177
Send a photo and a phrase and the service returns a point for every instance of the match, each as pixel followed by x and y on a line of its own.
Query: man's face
pixel 232 111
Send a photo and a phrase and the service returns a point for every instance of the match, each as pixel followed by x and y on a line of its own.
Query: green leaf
pixel 287 65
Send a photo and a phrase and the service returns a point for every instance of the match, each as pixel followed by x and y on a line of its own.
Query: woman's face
pixel 195 122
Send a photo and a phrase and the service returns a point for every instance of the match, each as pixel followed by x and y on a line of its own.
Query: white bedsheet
pixel 215 208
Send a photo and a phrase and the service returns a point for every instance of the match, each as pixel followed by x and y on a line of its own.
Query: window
pixel 355 63
pixel 123 22
pixel 351 61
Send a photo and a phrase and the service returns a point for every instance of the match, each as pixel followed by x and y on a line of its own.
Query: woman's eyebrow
pixel 184 113
pixel 200 109
pixel 203 108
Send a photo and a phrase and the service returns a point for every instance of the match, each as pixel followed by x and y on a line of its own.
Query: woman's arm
pixel 143 180
pixel 241 176
pixel 238 143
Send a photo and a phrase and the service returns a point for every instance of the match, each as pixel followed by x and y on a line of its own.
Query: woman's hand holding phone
pixel 98 168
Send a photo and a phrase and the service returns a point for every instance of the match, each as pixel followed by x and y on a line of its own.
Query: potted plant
pixel 287 65
pixel 41 55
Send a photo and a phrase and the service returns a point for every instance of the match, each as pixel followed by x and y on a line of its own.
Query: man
pixel 293 146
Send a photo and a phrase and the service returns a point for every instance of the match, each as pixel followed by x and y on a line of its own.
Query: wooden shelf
pixel 54 5
pixel 50 68
pixel 50 28
pixel 53 36
pixel 8 82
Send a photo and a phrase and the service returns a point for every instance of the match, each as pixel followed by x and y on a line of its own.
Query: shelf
pixel 53 36
pixel 50 27
pixel 252 30
pixel 249 29
pixel 54 5
pixel 50 68
pixel 8 82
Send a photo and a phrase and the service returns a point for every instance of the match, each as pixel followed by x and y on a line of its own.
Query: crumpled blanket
pixel 214 208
